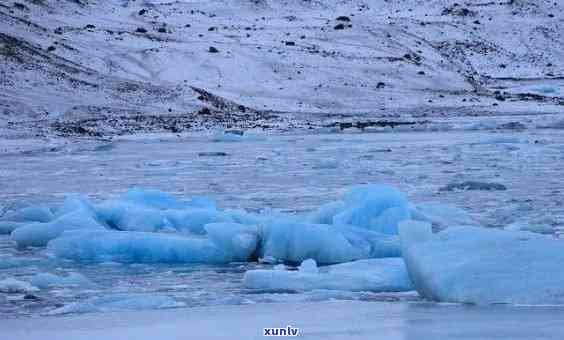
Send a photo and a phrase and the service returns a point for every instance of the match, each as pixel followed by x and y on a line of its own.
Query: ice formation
pixel 231 244
pixel 7 227
pixel 296 242
pixel 118 302
pixel 12 285
pixel 354 240
pixel 39 234
pixel 375 275
pixel 48 280
pixel 483 266
pixel 23 216
pixel 153 226
pixel 375 207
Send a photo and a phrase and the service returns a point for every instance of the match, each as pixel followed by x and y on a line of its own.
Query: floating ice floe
pixel 118 302
pixel 541 228
pixel 48 280
pixel 483 266
pixel 18 218
pixel 295 242
pixel 12 285
pixel 375 275
pixel 152 211
pixel 152 226
pixel 29 214
pixel 7 227
pixel 227 243
pixel 376 207
pixel 39 234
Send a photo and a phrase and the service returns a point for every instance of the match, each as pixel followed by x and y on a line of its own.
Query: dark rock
pixel 512 126
pixel 339 27
pixel 162 30
pixel 89 27
pixel 290 43
pixel 204 111
pixel 142 11
pixel 51 48
pixel 212 154
pixel 456 10
pixel 421 72
pixel 30 297
pixel 380 85
pixel 343 18
pixel 20 6
pixel 141 30
pixel 213 50
pixel 235 132
pixel 474 185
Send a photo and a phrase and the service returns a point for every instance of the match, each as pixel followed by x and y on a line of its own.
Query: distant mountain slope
pixel 122 66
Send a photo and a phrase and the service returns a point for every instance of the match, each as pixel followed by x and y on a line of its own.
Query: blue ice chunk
pixel 483 265
pixel 387 222
pixel 128 216
pixel 120 215
pixel 375 207
pixel 369 243
pixel 309 266
pixel 295 242
pixel 375 275
pixel 243 217
pixel 152 198
pixel 227 243
pixel 238 241
pixel 134 247
pixel 35 213
pixel 7 227
pixel 546 89
pixel 325 213
pixel 119 302
pixel 39 234
pixel 74 203
pixel 194 220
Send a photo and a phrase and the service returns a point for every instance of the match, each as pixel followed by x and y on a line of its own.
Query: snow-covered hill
pixel 113 67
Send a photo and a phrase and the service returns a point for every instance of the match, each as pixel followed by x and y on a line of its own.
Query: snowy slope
pixel 124 66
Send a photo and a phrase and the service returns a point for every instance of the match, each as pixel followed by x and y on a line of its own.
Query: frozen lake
pixel 292 173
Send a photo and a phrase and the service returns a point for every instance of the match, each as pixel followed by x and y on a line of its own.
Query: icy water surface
pixel 290 173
